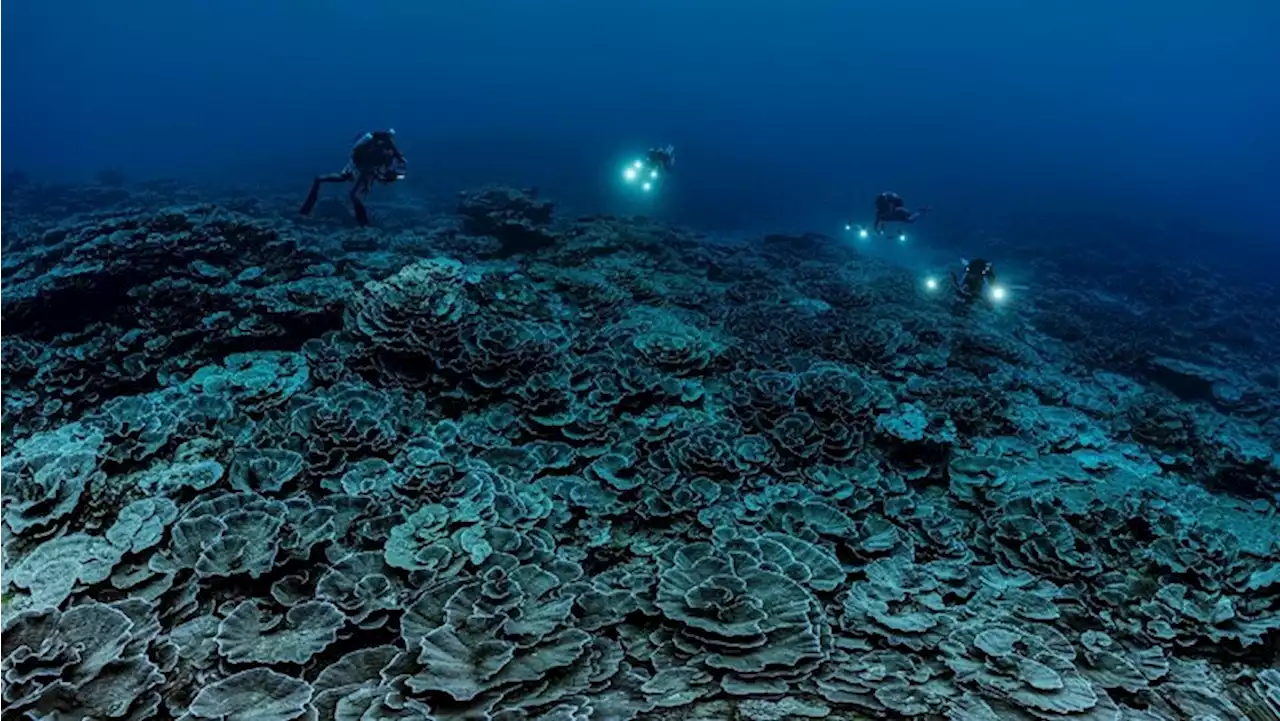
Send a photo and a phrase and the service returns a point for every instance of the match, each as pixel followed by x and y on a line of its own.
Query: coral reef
pixel 505 466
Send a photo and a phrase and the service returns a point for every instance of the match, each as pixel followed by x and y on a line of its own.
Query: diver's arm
pixel 398 166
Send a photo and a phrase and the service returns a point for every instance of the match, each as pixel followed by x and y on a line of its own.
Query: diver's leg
pixel 357 198
pixel 314 195
pixel 362 215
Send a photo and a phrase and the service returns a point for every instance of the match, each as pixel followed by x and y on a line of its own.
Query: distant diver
pixel 374 159
pixel 978 281
pixel 662 159
pixel 891 208
pixel 656 163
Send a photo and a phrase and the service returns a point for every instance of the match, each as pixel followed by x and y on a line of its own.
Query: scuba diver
pixel 890 208
pixel 646 171
pixel 978 281
pixel 374 159
pixel 662 160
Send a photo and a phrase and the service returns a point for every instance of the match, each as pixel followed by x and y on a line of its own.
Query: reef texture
pixel 502 466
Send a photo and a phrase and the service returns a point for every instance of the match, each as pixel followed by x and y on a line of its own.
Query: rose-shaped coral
pixel 90 661
pixel 707 450
pixel 499 354
pixel 407 324
pixel 46 475
pixel 761 397
pixel 797 436
pixel 517 219
pixel 1035 536
pixel 1029 667
pixel 678 348
pixel 347 422
pixel 833 392
pixel 413 308
pixel 746 611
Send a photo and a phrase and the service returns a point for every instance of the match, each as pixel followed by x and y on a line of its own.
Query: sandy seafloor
pixel 494 463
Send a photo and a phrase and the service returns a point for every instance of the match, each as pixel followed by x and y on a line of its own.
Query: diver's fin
pixel 310 202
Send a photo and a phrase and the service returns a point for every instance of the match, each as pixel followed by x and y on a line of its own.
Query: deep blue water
pixel 785 114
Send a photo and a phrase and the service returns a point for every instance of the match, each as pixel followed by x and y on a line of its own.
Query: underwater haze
pixel 517 414
pixel 786 114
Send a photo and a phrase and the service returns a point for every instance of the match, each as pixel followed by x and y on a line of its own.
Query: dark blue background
pixel 785 113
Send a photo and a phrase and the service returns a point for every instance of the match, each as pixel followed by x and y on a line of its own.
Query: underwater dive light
pixel 998 293
pixel 640 173
pixel 863 234
pixel 902 237
pixel 632 172
pixel 931 284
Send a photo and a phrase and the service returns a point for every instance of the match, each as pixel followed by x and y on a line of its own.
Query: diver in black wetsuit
pixel 978 281
pixel 890 208
pixel 374 159
pixel 661 159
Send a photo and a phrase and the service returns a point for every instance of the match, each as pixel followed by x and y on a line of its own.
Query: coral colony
pixel 506 466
